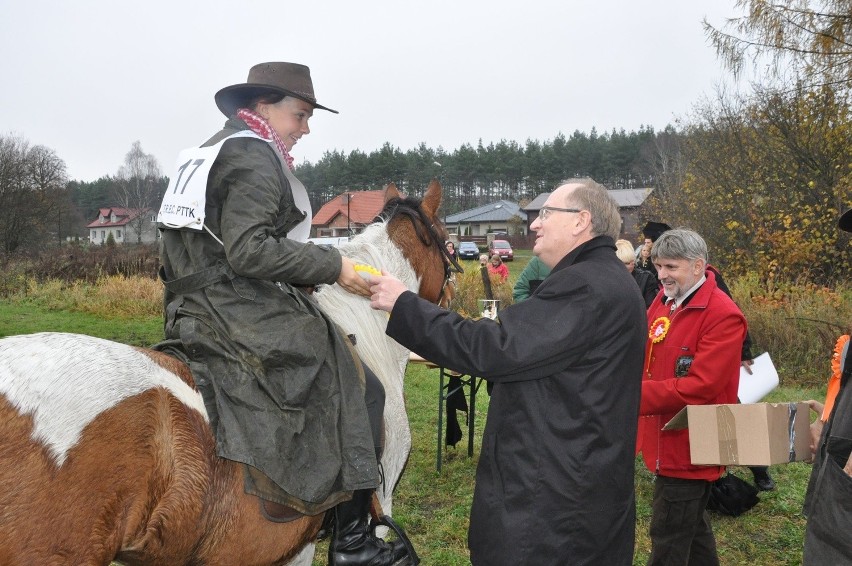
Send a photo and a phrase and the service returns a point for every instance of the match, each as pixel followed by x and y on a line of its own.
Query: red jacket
pixel 500 270
pixel 708 329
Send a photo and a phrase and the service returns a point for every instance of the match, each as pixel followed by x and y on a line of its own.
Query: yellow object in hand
pixel 366 271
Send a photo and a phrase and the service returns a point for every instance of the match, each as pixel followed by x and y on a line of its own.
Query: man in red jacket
pixel 692 357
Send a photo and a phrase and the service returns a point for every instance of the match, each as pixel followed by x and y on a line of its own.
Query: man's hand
pixel 385 291
pixel 816 427
pixel 816 432
pixel 351 281
pixel 747 365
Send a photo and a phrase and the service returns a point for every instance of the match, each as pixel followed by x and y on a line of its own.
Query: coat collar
pixel 586 250
pixel 700 296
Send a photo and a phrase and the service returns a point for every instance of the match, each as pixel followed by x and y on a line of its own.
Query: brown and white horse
pixel 105 449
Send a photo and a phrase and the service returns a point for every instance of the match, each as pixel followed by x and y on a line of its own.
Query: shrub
pixel 797 323
pixel 78 262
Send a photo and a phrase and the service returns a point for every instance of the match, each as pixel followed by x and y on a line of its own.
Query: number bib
pixel 183 203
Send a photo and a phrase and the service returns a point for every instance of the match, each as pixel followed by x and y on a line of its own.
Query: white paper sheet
pixel 762 380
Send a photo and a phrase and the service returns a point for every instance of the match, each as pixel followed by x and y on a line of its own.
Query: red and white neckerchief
pixel 262 128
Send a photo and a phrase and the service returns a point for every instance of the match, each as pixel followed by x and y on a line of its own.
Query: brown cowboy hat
pixel 290 79
pixel 846 221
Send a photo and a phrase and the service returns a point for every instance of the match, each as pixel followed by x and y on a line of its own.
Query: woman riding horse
pixel 285 393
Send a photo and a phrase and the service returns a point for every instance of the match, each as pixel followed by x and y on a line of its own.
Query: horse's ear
pixel 432 198
pixel 391 192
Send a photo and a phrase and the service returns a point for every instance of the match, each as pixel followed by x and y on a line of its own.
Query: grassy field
pixel 433 506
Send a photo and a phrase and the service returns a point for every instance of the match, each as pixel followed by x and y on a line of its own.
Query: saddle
pixel 278 513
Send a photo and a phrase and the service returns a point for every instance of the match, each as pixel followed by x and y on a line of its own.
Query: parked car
pixel 468 250
pixel 503 248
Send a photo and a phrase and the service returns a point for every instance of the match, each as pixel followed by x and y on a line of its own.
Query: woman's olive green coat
pixel 279 380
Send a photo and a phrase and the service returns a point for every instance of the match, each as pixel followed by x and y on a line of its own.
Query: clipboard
pixel 763 379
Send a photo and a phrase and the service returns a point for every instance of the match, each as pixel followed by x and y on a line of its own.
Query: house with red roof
pixel 125 225
pixel 347 213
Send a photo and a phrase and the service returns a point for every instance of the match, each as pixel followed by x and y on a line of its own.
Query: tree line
pixel 473 176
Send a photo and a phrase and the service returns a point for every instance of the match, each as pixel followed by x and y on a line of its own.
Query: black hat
pixel 846 221
pixel 654 230
pixel 290 79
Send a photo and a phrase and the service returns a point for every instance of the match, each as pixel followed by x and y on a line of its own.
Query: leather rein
pixel 426 231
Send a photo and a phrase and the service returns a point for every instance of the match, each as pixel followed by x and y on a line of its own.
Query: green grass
pixel 433 506
pixel 25 318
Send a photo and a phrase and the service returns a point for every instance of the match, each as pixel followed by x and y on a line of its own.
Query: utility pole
pixel 348 218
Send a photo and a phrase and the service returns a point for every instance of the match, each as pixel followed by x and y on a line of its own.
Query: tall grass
pixel 76 262
pixel 114 296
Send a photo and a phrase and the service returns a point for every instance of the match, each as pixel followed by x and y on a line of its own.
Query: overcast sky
pixel 88 78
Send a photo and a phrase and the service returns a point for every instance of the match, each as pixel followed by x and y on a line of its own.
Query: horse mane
pixel 353 314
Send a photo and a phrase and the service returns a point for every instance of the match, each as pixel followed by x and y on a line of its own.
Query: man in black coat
pixel 554 483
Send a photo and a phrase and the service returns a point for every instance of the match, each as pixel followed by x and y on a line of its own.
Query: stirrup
pixel 384 520
pixel 378 518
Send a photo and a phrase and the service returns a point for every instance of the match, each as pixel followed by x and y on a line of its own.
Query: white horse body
pixel 59 379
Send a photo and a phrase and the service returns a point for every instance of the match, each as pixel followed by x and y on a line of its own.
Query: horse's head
pixel 415 227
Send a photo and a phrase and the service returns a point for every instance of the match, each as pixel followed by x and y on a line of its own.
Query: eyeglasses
pixel 545 211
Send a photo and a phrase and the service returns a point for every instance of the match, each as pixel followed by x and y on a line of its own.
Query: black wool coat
pixel 554 483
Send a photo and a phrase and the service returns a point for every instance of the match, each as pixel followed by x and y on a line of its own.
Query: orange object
pixel 834 382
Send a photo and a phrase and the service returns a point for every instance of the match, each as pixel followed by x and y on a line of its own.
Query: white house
pixel 124 225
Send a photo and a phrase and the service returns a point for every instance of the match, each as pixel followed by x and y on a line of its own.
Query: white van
pixel 334 241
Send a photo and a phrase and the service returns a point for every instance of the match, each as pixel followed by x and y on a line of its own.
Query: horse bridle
pixel 451 265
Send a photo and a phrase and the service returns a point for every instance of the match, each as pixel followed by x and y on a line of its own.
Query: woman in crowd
pixel 451 250
pixel 647 283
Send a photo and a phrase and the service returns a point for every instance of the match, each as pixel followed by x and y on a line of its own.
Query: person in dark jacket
pixel 826 506
pixel 554 482
pixel 451 250
pixel 281 385
pixel 651 231
pixel 647 283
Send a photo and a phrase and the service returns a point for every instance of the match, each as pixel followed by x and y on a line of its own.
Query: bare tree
pixel 139 187
pixel 665 157
pixel 49 180
pixel 32 184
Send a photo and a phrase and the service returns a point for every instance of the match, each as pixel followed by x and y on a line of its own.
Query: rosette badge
pixel 659 329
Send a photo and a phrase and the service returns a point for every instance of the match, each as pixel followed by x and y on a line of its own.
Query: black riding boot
pixel 352 542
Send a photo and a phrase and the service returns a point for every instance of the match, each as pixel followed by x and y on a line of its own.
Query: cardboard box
pixel 757 434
